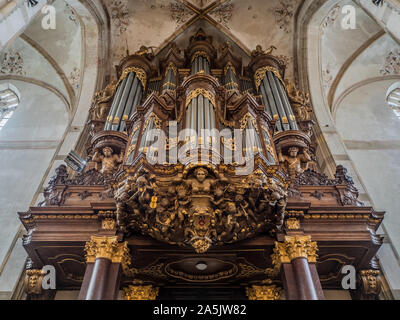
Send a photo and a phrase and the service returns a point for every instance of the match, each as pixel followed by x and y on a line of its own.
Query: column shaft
pixel 98 282
pixel 304 281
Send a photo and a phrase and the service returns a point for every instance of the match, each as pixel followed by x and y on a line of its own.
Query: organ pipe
pixel 276 102
pixel 128 96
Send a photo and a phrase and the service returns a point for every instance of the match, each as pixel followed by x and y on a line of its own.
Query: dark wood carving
pixel 179 218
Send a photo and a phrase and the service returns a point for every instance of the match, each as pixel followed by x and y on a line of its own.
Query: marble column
pixel 105 258
pixel 295 258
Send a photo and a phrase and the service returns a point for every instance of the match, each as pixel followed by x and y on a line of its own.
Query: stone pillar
pixel 295 258
pixel 138 291
pixel 105 258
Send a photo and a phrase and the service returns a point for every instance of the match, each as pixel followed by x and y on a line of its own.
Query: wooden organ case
pixel 202 182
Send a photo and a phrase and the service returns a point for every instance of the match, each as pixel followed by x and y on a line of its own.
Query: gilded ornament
pixel 292 248
pixel 107 248
pixel 171 66
pixel 33 281
pixel 263 292
pixel 140 74
pixel 279 255
pixel 371 283
pixel 200 91
pixel 228 66
pixel 138 291
pixel 200 207
pixel 201 54
pixel 108 224
pixel 259 75
pixel 292 224
pixel 245 119
pixel 300 102
pixel 301 247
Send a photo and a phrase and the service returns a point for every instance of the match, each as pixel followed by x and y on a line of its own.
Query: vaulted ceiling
pixel 56 58
pixel 49 58
pixel 154 23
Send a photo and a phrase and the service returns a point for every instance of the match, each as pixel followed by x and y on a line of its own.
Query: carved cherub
pixel 145 51
pixel 259 50
pixel 50 194
pixel 294 163
pixel 164 217
pixel 244 206
pixel 300 101
pixel 102 101
pixel 145 189
pixel 107 162
pixel 200 183
pixel 125 189
pixel 219 200
pixel 275 191
pixel 230 223
pixel 182 199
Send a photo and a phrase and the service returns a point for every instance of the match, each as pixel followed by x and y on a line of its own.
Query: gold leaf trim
pixel 171 66
pixel 140 74
pixel 201 54
pixel 200 91
pixel 243 122
pixel 259 75
pixel 229 65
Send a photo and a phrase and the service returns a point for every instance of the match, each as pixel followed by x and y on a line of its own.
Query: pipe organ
pixel 127 98
pixel 202 178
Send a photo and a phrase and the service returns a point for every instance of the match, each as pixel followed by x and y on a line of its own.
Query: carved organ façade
pixel 201 179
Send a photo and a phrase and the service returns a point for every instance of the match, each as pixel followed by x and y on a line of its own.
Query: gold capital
pixel 137 291
pixel 301 247
pixel 33 281
pixel 108 248
pixel 263 292
pixel 294 247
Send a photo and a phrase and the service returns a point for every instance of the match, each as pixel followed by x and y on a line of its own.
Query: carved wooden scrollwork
pixel 201 207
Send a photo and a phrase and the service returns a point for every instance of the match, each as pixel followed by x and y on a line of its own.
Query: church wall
pixel 28 142
pixel 369 130
pixel 361 137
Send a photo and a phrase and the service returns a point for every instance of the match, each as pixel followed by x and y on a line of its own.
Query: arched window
pixel 9 100
pixel 393 98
